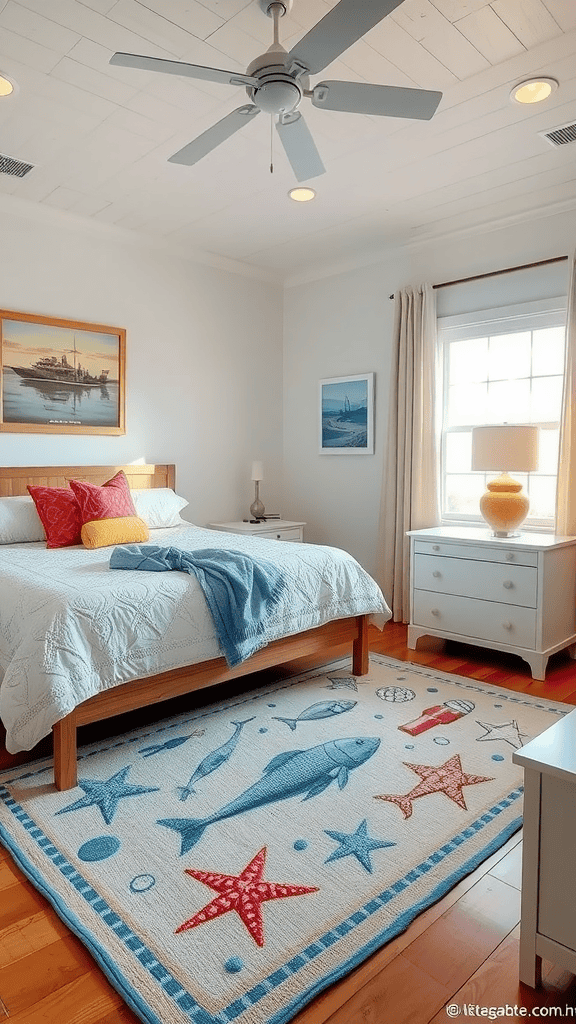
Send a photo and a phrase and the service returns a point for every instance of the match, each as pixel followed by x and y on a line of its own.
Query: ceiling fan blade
pixel 213 136
pixel 347 22
pixel 389 100
pixel 178 67
pixel 300 147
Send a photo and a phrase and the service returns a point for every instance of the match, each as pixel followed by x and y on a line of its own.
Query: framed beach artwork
pixel 61 376
pixel 347 415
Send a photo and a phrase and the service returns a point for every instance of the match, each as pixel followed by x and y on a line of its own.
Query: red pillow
pixel 111 501
pixel 60 515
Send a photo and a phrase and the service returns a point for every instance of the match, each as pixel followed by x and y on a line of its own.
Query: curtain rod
pixel 496 273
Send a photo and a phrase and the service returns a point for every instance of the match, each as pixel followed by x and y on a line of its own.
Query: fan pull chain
pixel 272 144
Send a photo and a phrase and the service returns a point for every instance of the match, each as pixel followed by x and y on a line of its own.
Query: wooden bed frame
pixel 140 692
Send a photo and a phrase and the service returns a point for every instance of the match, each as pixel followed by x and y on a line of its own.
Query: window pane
pixel 459 452
pixel 508 401
pixel 542 496
pixel 467 360
pixel 513 377
pixel 548 451
pixel 463 493
pixel 509 356
pixel 466 405
pixel 546 399
pixel 548 351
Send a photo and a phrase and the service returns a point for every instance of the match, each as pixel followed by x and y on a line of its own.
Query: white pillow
pixel 19 521
pixel 158 506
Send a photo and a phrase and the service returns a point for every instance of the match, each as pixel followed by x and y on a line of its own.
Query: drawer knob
pixel 278 536
pixel 507 625
pixel 509 556
pixel 435 611
pixel 435 547
pixel 436 573
pixel 508 584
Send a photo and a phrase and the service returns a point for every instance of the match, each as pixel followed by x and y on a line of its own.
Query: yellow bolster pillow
pixel 100 533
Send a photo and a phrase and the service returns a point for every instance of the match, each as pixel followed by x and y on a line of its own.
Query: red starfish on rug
pixel 448 778
pixel 243 893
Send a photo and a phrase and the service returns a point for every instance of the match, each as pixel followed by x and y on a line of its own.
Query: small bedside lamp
pixel 514 447
pixel 257 509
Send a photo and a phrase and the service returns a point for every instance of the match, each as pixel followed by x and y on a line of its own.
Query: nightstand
pixel 515 594
pixel 274 529
pixel 548 915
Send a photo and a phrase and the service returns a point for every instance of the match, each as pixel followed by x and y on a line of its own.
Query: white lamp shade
pixel 506 447
pixel 257 471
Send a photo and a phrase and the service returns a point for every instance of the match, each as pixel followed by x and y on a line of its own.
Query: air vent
pixel 17 168
pixel 562 135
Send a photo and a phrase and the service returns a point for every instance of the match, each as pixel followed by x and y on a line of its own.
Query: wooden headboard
pixel 14 479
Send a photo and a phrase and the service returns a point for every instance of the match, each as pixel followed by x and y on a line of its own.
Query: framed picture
pixel 347 415
pixel 61 376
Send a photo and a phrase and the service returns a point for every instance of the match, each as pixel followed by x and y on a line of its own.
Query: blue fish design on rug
pixel 176 741
pixel 288 774
pixel 323 709
pixel 215 759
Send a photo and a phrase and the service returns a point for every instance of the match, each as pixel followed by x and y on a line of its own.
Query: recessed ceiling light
pixel 533 90
pixel 6 86
pixel 302 195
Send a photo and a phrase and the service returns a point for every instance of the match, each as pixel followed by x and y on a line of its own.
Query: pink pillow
pixel 59 513
pixel 111 501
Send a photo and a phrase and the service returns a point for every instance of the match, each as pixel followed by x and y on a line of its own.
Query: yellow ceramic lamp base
pixel 503 505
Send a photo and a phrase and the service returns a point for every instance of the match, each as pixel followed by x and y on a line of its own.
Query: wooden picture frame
pixel 61 376
pixel 346 415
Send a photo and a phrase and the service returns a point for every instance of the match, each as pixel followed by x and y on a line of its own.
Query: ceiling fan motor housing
pixel 277 92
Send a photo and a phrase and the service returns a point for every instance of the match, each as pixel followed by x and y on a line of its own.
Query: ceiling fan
pixel 277 81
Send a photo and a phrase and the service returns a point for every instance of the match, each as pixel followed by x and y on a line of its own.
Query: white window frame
pixel 523 316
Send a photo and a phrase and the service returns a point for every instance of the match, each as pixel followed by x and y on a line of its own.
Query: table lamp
pixel 505 447
pixel 257 509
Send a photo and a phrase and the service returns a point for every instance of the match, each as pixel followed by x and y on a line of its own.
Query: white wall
pixel 204 356
pixel 343 324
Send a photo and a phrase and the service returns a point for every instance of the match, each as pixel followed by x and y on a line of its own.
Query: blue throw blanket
pixel 240 591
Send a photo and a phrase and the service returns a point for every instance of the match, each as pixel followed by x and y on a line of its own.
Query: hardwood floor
pixel 463 950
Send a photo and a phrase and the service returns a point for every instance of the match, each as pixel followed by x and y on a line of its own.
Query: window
pixel 501 366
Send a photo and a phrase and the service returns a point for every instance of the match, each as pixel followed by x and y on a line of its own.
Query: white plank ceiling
pixel 99 136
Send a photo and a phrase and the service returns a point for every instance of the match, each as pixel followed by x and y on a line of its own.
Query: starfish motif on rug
pixel 106 793
pixel 447 778
pixel 341 683
pixel 245 893
pixel 509 732
pixel 358 844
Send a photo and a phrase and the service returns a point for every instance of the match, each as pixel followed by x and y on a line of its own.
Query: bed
pixel 64 612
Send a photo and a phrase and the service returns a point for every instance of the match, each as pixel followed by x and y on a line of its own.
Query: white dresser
pixel 514 594
pixel 548 915
pixel 275 529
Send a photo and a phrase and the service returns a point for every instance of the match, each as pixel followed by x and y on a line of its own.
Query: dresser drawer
pixel 485 620
pixel 488 581
pixel 288 534
pixel 490 553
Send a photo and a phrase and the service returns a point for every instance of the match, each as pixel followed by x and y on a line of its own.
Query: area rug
pixel 229 864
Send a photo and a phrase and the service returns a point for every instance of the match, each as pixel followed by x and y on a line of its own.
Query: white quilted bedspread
pixel 70 626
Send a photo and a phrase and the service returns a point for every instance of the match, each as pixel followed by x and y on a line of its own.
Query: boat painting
pixel 61 376
pixel 346 415
pixel 52 368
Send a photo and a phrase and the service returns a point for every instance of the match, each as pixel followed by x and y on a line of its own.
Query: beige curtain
pixel 566 487
pixel 411 479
